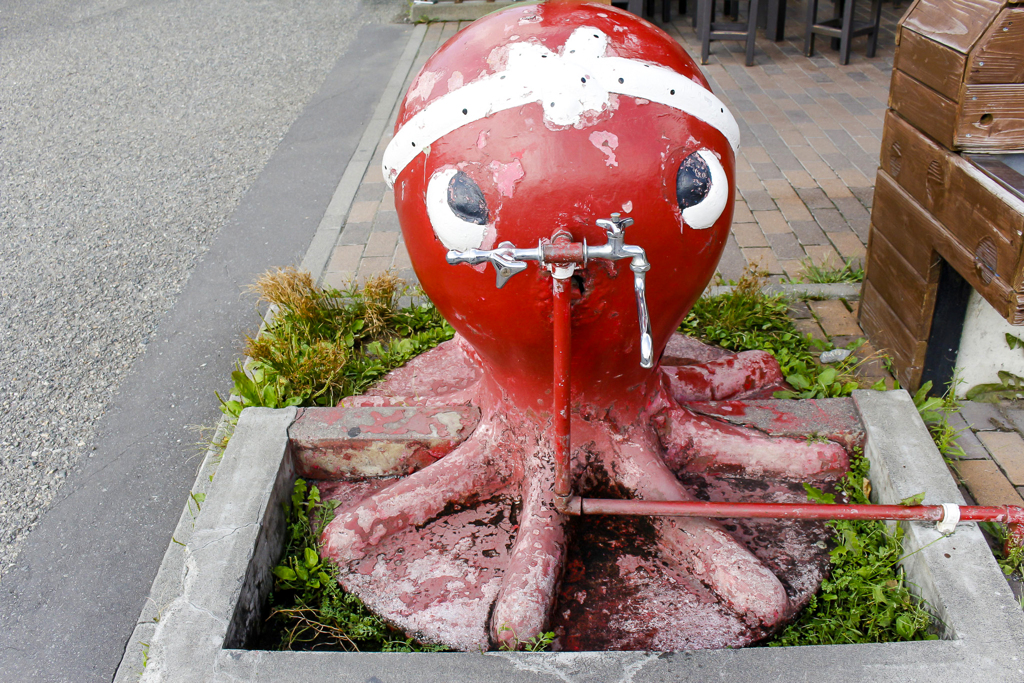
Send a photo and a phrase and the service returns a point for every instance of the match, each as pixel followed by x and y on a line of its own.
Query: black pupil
pixel 467 200
pixel 693 182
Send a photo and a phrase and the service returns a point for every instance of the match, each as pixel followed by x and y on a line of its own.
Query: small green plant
pixel 325 344
pixel 935 412
pixel 309 609
pixel 830 273
pixel 539 643
pixel 1011 563
pixel 865 598
pixel 748 319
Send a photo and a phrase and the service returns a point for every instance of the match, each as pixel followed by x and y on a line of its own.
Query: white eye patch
pixel 577 81
pixel 702 213
pixel 447 198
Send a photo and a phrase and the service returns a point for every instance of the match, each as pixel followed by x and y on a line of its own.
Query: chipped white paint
pixel 453 232
pixel 704 214
pixel 573 86
pixel 606 143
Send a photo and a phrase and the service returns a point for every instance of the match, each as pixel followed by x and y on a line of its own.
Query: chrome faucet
pixel 508 260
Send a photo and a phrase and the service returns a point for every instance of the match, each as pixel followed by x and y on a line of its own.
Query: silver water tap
pixel 508 260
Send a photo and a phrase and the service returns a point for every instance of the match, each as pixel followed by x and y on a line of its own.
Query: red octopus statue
pixel 533 121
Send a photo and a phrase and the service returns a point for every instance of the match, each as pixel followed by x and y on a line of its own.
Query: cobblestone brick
pixel 983 416
pixel 987 484
pixel 835 319
pixel 1007 449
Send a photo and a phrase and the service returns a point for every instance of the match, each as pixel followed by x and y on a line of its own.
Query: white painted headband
pixel 569 85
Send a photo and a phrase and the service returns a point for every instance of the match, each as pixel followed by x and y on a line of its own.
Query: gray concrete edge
pixel 319 253
pixel 956 575
pixel 799 290
pixel 965 589
pixel 450 11
pixel 217 560
pixel 168 582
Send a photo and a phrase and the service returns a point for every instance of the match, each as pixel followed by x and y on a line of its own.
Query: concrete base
pixel 452 11
pixel 983 348
pixel 236 541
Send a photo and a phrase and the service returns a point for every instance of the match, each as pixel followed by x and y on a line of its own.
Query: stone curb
pixel 450 11
pixel 320 249
pixel 231 554
pixel 812 291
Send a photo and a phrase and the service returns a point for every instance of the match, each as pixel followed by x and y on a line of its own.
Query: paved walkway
pixel 811 131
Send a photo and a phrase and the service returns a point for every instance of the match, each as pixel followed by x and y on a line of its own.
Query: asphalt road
pixel 155 156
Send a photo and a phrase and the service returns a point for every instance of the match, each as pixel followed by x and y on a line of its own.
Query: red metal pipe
pixel 563 251
pixel 562 254
pixel 1007 514
pixel 561 409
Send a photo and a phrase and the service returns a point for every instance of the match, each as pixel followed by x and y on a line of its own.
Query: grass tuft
pixel 829 273
pixel 747 319
pixel 865 599
pixel 323 344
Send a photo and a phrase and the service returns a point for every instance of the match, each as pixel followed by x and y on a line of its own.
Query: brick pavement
pixel 810 130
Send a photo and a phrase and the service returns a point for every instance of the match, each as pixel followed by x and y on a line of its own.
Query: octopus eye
pixel 457 209
pixel 702 189
pixel 466 199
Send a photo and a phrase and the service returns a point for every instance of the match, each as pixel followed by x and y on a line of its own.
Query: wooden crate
pixel 958 73
pixel 971 224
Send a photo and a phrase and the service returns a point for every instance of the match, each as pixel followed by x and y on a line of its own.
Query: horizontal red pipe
pixel 563 251
pixel 1007 514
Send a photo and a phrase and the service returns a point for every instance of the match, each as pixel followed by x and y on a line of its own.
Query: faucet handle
pixel 615 225
pixel 503 259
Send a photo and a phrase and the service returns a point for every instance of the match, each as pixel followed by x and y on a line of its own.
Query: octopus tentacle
pixel 534 569
pixel 697 443
pixel 734 376
pixel 713 556
pixel 469 473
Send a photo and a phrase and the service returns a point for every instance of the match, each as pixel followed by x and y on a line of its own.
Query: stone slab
pixel 987 484
pixel 830 418
pixel 351 442
pixel 956 575
pixel 451 11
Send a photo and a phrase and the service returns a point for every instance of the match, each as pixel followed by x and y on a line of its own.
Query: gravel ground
pixel 129 130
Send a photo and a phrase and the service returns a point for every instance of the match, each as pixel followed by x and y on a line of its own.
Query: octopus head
pixel 548 117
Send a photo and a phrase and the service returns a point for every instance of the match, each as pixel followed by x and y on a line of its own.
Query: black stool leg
pixel 751 30
pixel 704 21
pixel 812 17
pixel 845 37
pixel 876 17
pixel 666 10
pixel 837 13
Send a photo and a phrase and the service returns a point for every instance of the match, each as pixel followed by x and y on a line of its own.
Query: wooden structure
pixel 940 223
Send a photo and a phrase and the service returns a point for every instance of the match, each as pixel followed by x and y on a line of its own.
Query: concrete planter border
pixel 238 535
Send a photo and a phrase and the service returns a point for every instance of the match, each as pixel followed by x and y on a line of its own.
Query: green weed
pixel 864 599
pixel 1012 563
pixel 309 609
pixel 748 319
pixel 324 344
pixel 830 273
pixel 539 643
pixel 1009 386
